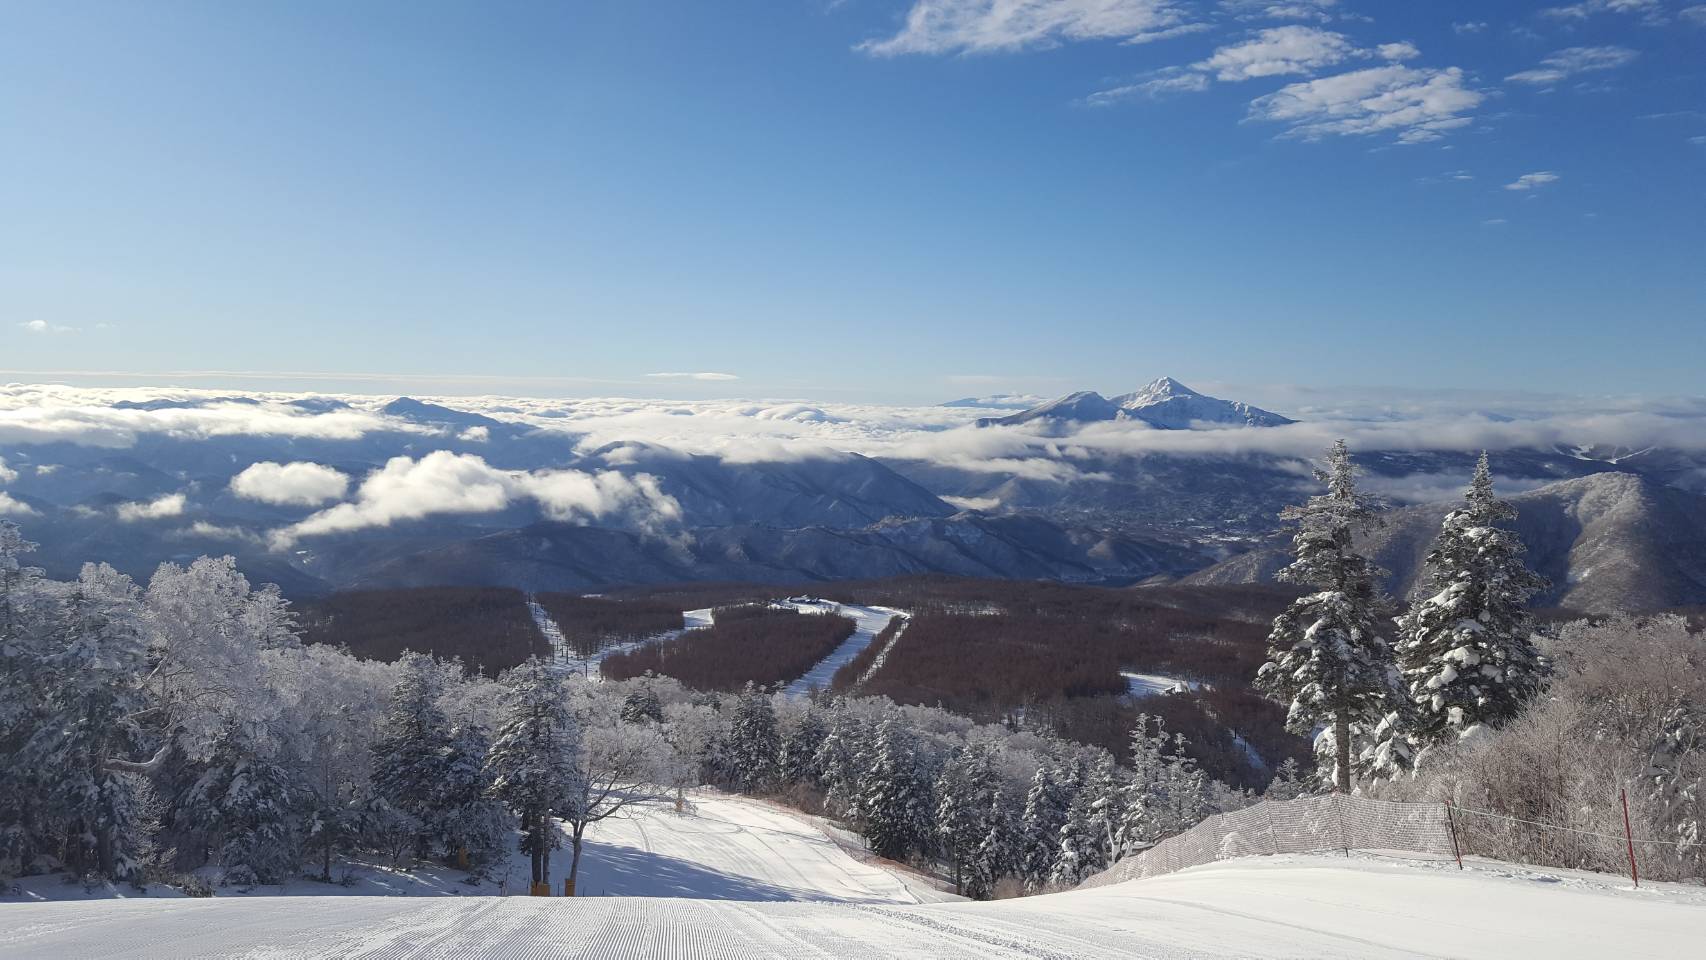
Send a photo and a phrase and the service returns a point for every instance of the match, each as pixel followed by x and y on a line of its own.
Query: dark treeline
pixel 590 624
pixel 746 644
pixel 487 628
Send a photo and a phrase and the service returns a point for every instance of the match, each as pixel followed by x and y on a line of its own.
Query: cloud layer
pixel 290 484
pixel 442 482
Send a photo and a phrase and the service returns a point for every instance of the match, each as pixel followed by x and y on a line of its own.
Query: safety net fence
pixel 1339 821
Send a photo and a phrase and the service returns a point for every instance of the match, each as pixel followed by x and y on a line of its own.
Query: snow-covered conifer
pixel 895 799
pixel 534 762
pixel 1466 646
pixel 411 756
pixel 964 791
pixel 1047 804
pixel 1326 661
pixel 754 746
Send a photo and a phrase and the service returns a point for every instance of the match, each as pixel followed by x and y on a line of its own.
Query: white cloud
pixel 693 376
pixel 290 484
pixel 49 413
pixel 986 26
pixel 170 505
pixel 1532 181
pixel 1695 14
pixel 11 507
pixel 1494 222
pixel 7 474
pixel 1280 9
pixel 42 326
pixel 448 483
pixel 1276 51
pixel 1650 11
pixel 1169 80
pixel 1414 104
pixel 1569 62
pixel 1402 50
pixel 1472 26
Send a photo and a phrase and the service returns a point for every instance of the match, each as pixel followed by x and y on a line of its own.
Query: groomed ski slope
pixel 1287 906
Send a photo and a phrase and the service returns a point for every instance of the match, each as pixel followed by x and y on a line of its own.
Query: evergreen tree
pixel 92 673
pixel 1079 853
pixel 244 806
pixel 534 761
pixel 801 746
pixel 470 821
pixel 997 854
pixel 1047 804
pixel 964 790
pixel 1287 784
pixel 1326 661
pixel 1466 647
pixel 411 756
pixel 642 705
pixel 838 763
pixel 895 802
pixel 25 627
pixel 754 747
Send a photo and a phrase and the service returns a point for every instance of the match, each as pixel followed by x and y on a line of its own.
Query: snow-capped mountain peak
pixel 1165 404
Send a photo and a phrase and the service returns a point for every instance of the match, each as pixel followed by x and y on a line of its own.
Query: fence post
pixel 1452 822
pixel 1629 839
pixel 1273 838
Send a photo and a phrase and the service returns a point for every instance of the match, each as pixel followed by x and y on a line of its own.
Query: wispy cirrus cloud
pixel 1572 61
pixel 995 26
pixel 1651 12
pixel 43 327
pixel 710 376
pixel 1533 181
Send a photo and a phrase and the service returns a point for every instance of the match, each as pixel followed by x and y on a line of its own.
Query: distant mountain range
pixel 1165 404
pixel 1613 526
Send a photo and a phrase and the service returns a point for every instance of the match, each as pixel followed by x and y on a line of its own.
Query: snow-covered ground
pixel 572 662
pixel 1311 906
pixel 869 621
pixel 1154 684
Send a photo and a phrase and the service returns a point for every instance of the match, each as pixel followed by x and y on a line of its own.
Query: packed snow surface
pixel 588 667
pixel 1317 906
pixel 1153 684
pixel 869 621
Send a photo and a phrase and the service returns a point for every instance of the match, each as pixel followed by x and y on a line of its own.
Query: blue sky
pixel 904 200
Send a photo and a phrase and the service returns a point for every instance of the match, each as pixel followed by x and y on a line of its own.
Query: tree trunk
pixel 575 859
pixel 1342 747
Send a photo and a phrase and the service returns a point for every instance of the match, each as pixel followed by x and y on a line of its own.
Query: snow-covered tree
pixel 411 757
pixel 534 762
pixel 25 626
pixel 998 854
pixel 1047 804
pixel 895 800
pixel 619 766
pixel 1165 794
pixel 1326 660
pixel 964 791
pixel 244 805
pixel 800 745
pixel 1288 782
pixel 838 761
pixel 1466 646
pixel 469 821
pixel 91 692
pixel 754 748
